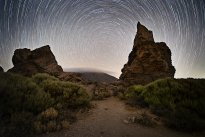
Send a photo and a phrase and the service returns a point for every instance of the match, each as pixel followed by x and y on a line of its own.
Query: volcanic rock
pixel 148 61
pixel 40 60
pixel 1 69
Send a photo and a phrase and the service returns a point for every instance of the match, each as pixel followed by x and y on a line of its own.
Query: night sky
pixel 99 34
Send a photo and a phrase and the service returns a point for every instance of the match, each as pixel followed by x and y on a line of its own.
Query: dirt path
pixel 107 120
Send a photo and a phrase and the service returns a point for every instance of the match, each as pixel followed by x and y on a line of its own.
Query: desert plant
pixel 19 93
pixel 65 124
pixel 37 104
pixel 40 77
pixel 69 95
pixel 180 101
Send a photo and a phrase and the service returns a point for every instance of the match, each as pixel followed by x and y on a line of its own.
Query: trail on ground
pixel 107 120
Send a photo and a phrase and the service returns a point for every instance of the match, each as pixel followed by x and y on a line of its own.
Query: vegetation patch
pixel 37 105
pixel 145 120
pixel 100 94
pixel 101 91
pixel 180 101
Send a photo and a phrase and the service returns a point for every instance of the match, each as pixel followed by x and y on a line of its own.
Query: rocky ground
pixel 109 119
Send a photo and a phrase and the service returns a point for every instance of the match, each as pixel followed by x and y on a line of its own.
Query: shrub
pixel 65 124
pixel 19 124
pixel 69 95
pixel 180 101
pixel 49 114
pixel 39 127
pixel 185 119
pixel 35 105
pixel 19 93
pixel 121 95
pixel 51 126
pixel 21 100
pixel 40 77
pixel 145 120
pixel 100 94
pixel 133 94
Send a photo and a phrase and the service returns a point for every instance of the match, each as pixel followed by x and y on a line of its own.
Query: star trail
pixel 99 34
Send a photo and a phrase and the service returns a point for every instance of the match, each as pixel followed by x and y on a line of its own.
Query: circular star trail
pixel 99 34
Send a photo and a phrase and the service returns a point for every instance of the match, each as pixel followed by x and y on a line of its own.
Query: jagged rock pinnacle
pixel 148 61
pixel 143 35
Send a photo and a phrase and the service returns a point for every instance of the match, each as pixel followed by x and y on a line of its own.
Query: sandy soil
pixel 107 119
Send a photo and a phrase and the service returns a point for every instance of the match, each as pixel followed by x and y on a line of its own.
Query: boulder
pixel 41 60
pixel 148 60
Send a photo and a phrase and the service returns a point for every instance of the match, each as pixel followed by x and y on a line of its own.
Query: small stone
pixel 133 119
pixel 156 118
pixel 102 132
pixel 126 121
pixel 106 108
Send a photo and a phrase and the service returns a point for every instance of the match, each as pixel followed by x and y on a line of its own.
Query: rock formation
pixel 148 60
pixel 40 60
pixel 1 69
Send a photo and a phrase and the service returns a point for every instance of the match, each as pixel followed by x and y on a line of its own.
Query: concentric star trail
pixel 99 33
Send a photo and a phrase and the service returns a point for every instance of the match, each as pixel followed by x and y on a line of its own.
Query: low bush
pixel 66 94
pixel 145 120
pixel 39 78
pixel 65 124
pixel 180 101
pixel 100 94
pixel 36 105
pixel 101 91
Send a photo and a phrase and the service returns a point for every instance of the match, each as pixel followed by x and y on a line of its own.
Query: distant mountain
pixel 93 75
pixel 98 77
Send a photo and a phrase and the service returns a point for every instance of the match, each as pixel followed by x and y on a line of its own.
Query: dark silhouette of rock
pixel 40 60
pixel 148 60
pixel 1 69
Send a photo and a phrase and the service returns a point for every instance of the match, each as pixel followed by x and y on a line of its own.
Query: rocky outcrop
pixel 1 69
pixel 40 60
pixel 148 61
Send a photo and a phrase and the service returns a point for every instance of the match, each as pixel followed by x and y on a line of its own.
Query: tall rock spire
pixel 143 35
pixel 148 61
